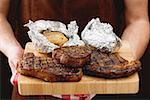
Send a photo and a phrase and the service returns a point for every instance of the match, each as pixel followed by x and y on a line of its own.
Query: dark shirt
pixel 82 11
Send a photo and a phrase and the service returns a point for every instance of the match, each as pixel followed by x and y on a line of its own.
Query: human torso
pixel 63 10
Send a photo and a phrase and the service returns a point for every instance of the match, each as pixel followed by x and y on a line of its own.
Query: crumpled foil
pixel 101 36
pixel 42 44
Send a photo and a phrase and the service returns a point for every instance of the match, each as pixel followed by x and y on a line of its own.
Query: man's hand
pixel 13 51
pixel 14 57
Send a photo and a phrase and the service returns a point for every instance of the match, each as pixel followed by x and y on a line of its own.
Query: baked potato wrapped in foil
pixel 43 44
pixel 101 36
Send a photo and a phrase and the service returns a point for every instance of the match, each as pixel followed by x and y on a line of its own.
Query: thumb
pixel 13 65
pixel 14 60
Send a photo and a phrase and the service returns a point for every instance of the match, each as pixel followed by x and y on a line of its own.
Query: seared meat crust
pixel 108 65
pixel 47 69
pixel 73 56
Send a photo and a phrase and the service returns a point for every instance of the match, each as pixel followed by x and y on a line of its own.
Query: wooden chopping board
pixel 87 85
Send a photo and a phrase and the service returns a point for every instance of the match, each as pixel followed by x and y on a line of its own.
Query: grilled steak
pixel 74 56
pixel 47 69
pixel 108 65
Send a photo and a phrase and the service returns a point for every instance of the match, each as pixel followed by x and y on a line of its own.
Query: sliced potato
pixel 57 38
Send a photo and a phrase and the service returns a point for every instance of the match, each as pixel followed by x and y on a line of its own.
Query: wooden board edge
pixel 133 89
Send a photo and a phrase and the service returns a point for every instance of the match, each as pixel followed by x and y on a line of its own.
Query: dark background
pixel 144 93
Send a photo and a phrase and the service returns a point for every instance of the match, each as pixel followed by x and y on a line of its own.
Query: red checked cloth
pixel 14 81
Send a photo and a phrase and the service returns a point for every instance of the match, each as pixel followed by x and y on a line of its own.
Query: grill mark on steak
pixel 73 56
pixel 97 63
pixel 47 69
pixel 109 65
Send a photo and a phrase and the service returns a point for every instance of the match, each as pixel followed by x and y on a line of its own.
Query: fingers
pixel 13 63
pixel 14 59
